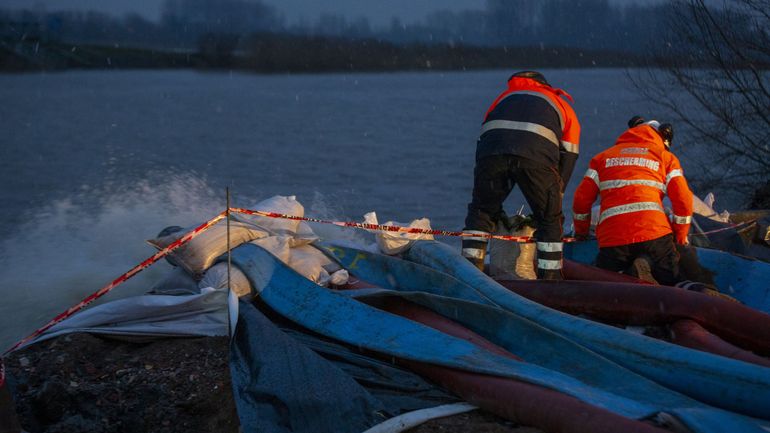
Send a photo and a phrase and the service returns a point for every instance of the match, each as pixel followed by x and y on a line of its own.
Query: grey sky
pixel 379 12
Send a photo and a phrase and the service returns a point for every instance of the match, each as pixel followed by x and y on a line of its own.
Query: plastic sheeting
pixel 335 315
pixel 281 385
pixel 204 314
pixel 708 378
pixel 398 389
pixel 622 392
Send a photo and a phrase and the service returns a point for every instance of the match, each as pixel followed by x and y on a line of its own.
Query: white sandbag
pixel 198 254
pixel 339 278
pixel 392 243
pixel 309 262
pixel 176 282
pixel 333 266
pixel 705 208
pixel 709 200
pixel 279 246
pixel 216 278
pixel 510 260
pixel 306 260
pixel 284 205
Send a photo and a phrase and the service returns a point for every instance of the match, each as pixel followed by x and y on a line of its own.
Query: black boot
pixel 706 289
pixel 479 263
pixel 549 274
pixel 641 269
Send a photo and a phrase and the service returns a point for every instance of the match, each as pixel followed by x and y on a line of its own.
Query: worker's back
pixel 632 178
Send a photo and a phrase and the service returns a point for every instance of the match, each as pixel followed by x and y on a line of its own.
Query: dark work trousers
pixel 690 267
pixel 662 253
pixel 494 179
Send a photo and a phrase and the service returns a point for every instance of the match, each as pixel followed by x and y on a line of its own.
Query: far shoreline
pixel 287 54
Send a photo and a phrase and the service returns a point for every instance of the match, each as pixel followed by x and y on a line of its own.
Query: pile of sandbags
pixel 202 263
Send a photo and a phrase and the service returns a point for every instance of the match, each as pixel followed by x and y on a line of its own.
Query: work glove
pixel 504 222
pixel 582 237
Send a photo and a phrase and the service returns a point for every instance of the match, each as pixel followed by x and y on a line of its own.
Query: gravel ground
pixel 87 383
pixel 84 383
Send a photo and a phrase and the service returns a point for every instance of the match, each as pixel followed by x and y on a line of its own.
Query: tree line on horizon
pixel 584 24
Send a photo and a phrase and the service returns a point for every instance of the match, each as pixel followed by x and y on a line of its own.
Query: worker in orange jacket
pixel 631 178
pixel 530 137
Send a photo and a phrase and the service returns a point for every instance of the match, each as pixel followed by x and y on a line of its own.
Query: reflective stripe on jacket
pixel 533 121
pixel 631 179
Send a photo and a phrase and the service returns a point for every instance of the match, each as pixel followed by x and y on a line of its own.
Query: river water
pixel 93 163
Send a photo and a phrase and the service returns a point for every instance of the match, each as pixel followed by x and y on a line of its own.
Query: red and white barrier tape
pixel 198 230
pixel 386 228
pixel 735 226
pixel 416 230
pixel 120 280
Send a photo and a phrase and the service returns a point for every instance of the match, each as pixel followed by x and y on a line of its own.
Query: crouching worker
pixel 631 178
pixel 529 137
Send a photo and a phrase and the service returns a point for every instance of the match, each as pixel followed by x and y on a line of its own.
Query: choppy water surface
pixel 94 163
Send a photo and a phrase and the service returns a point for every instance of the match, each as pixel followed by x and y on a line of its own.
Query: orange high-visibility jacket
pixel 534 121
pixel 631 179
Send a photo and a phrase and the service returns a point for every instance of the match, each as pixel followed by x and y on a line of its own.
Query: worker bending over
pixel 530 137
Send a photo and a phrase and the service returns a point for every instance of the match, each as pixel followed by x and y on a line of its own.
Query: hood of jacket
pixel 643 134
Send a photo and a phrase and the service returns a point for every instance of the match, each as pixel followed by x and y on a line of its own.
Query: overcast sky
pixel 379 12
